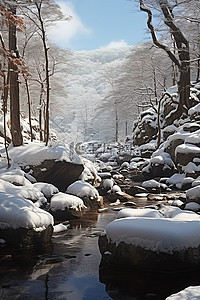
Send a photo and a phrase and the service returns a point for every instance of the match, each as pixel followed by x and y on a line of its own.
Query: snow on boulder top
pixel 25 192
pixel 46 188
pixel 61 201
pixel 194 109
pixel 152 183
pixel 193 138
pixel 83 189
pixel 16 212
pixel 176 178
pixel 36 152
pixel 187 148
pixel 15 176
pixel 144 212
pixel 164 235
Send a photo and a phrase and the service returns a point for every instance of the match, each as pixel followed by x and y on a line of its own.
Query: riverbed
pixel 70 268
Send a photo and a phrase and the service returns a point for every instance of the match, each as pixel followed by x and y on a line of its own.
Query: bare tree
pixel 16 133
pixel 182 60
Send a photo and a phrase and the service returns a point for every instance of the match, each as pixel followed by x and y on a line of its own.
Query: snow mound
pixel 83 189
pixel 46 188
pixel 145 212
pixel 166 230
pixel 159 234
pixel 61 201
pixel 35 153
pixel 16 212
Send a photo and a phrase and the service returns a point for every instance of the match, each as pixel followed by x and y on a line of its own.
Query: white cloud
pixel 62 32
pixel 113 44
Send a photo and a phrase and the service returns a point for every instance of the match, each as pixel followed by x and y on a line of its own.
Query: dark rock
pixel 191 127
pixel 184 157
pixel 130 256
pixel 24 237
pixel 67 214
pixel 159 170
pixel 171 149
pixel 133 190
pixel 59 173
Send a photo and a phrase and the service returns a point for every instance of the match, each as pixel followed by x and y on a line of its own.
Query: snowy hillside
pixel 77 111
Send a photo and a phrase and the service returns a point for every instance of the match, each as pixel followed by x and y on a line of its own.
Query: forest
pixel 100 158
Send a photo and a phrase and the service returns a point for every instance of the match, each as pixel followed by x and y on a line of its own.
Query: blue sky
pixel 99 24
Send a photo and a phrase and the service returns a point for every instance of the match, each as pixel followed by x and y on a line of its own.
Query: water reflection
pixel 70 268
pixel 140 285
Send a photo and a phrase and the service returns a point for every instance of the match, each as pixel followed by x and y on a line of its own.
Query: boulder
pixel 22 223
pixel 26 237
pixel 171 147
pixel 193 194
pixel 166 243
pixel 66 207
pixel 133 190
pixel 88 193
pixel 59 173
pixel 185 153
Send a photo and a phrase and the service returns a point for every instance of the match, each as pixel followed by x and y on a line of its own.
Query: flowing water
pixel 70 268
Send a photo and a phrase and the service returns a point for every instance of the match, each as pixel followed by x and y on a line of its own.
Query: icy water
pixel 70 269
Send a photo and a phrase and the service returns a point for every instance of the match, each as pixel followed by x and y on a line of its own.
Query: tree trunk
pixel 43 34
pixel 16 133
pixel 29 108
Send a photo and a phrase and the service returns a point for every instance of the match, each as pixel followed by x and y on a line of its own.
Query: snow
pixel 83 189
pixel 47 189
pixel 61 201
pixel 193 193
pixel 145 212
pixel 159 235
pixel 187 148
pixel 194 109
pixel 60 227
pixel 25 192
pixel 175 179
pixel 189 293
pixel 15 176
pixel 190 168
pixel 17 212
pixel 192 206
pixel 165 230
pixel 108 184
pixel 152 183
pixel 35 153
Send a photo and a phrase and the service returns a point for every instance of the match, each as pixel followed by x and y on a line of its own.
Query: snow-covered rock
pixel 167 242
pixel 22 224
pixel 86 191
pixel 193 194
pixel 65 206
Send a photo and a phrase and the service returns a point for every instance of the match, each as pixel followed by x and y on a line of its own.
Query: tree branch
pixel 144 8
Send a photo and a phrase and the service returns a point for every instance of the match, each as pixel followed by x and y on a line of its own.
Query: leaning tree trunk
pixel 16 133
pixel 182 61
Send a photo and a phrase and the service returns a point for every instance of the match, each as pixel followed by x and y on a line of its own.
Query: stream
pixel 70 268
